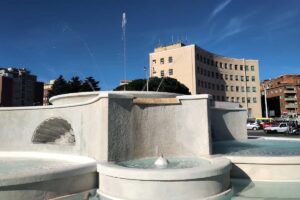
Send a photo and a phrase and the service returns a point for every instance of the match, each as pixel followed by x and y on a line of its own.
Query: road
pixel 262 133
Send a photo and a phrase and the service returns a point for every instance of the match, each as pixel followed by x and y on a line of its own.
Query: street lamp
pixel 266 86
pixel 147 78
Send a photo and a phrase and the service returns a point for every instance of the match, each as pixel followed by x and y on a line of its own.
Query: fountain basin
pixel 263 159
pixel 31 175
pixel 210 179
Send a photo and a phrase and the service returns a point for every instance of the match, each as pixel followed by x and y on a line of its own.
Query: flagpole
pixel 124 21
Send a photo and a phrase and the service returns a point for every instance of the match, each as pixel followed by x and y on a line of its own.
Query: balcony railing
pixel 290 99
pixel 291 106
pixel 290 91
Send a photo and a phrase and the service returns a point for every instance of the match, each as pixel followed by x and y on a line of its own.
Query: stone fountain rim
pixel 217 166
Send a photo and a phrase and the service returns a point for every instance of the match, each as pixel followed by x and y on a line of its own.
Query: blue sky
pixel 84 38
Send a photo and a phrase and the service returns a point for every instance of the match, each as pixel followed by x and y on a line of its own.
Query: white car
pixel 279 128
pixel 253 126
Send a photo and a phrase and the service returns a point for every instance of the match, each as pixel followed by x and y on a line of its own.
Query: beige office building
pixel 226 79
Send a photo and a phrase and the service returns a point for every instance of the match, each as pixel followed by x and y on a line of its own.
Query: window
pixel 217 75
pixel 231 77
pixel 154 61
pixel 204 72
pixel 232 88
pixel 216 64
pixel 246 68
pixel 223 98
pixel 238 99
pixel 227 98
pixel 201 71
pixel 202 83
pixel 226 76
pixel 253 78
pixel 204 59
pixel 213 74
pixel 212 86
pixel 205 84
pixel 222 87
pixel 237 88
pixel 243 89
pixel 198 69
pixel 218 98
pixel 162 73
pixel 207 61
pixel 208 85
pixel 201 58
pixel 221 76
pixel 232 99
pixel 170 72
pixel 236 77
pixel 248 100
pixel 226 87
pixel 254 100
pixel 235 67
pixel 218 87
pixel 162 61
pixel 211 62
pixel 230 66
pixel 253 89
pixel 208 73
pixel 198 56
pixel 252 68
pixel 247 78
pixel 221 65
pixel 241 67
pixel 198 82
pixel 225 66
pixel 243 99
pixel 248 89
pixel 170 59
pixel 242 78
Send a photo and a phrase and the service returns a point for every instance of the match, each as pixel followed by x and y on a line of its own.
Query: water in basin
pixel 174 163
pixel 258 147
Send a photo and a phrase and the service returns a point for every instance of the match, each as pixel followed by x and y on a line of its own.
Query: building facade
pixel 19 88
pixel 283 95
pixel 47 88
pixel 226 79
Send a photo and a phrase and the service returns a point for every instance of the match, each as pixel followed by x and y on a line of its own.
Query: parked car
pixel 277 128
pixel 253 126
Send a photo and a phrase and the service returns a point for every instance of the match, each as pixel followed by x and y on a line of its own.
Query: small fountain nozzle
pixel 161 162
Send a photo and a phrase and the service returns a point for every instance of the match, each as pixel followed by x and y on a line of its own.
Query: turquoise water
pixel 258 147
pixel 174 163
pixel 245 189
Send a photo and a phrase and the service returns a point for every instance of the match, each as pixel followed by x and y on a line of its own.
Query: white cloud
pixel 219 8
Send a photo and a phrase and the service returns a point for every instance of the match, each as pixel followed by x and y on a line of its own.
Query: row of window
pixel 162 60
pixel 235 99
pixel 223 65
pixel 227 88
pixel 217 75
pixel 162 72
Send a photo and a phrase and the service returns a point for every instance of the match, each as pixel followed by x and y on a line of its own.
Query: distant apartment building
pixel 47 88
pixel 226 79
pixel 19 88
pixel 283 95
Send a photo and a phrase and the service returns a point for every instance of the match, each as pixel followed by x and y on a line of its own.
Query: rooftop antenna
pixel 124 21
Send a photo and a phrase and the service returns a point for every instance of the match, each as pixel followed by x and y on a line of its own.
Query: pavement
pixel 262 133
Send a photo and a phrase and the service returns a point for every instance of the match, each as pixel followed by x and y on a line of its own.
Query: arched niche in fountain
pixel 54 131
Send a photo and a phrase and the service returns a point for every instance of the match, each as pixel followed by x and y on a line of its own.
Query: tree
pixel 89 84
pixel 60 86
pixel 166 84
pixel 74 84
